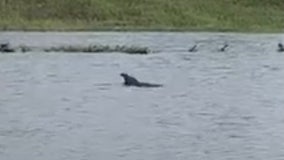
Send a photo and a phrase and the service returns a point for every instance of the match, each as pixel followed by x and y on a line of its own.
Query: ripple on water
pixel 272 68
pixel 103 86
pixel 21 133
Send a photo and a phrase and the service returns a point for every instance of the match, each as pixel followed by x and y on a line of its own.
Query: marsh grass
pixel 212 15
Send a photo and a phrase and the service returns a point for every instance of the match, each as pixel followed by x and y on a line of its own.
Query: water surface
pixel 214 105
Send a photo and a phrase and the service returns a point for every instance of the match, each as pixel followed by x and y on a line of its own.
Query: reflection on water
pixel 214 105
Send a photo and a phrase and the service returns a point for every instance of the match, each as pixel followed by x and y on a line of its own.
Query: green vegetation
pixel 209 15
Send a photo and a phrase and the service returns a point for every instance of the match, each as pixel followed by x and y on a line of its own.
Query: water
pixel 214 105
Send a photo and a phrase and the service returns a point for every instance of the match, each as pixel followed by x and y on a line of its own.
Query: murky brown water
pixel 214 105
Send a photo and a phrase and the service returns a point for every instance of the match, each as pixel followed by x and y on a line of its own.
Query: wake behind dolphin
pixel 131 81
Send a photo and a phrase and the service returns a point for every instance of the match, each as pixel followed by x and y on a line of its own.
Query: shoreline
pixel 135 29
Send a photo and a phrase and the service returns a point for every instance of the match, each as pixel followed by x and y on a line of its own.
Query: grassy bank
pixel 209 15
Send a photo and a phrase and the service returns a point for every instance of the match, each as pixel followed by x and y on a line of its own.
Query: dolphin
pixel 131 81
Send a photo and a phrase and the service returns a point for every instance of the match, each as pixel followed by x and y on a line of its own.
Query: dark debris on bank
pixel 7 48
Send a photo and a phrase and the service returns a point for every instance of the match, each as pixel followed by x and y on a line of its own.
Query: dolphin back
pixel 144 84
